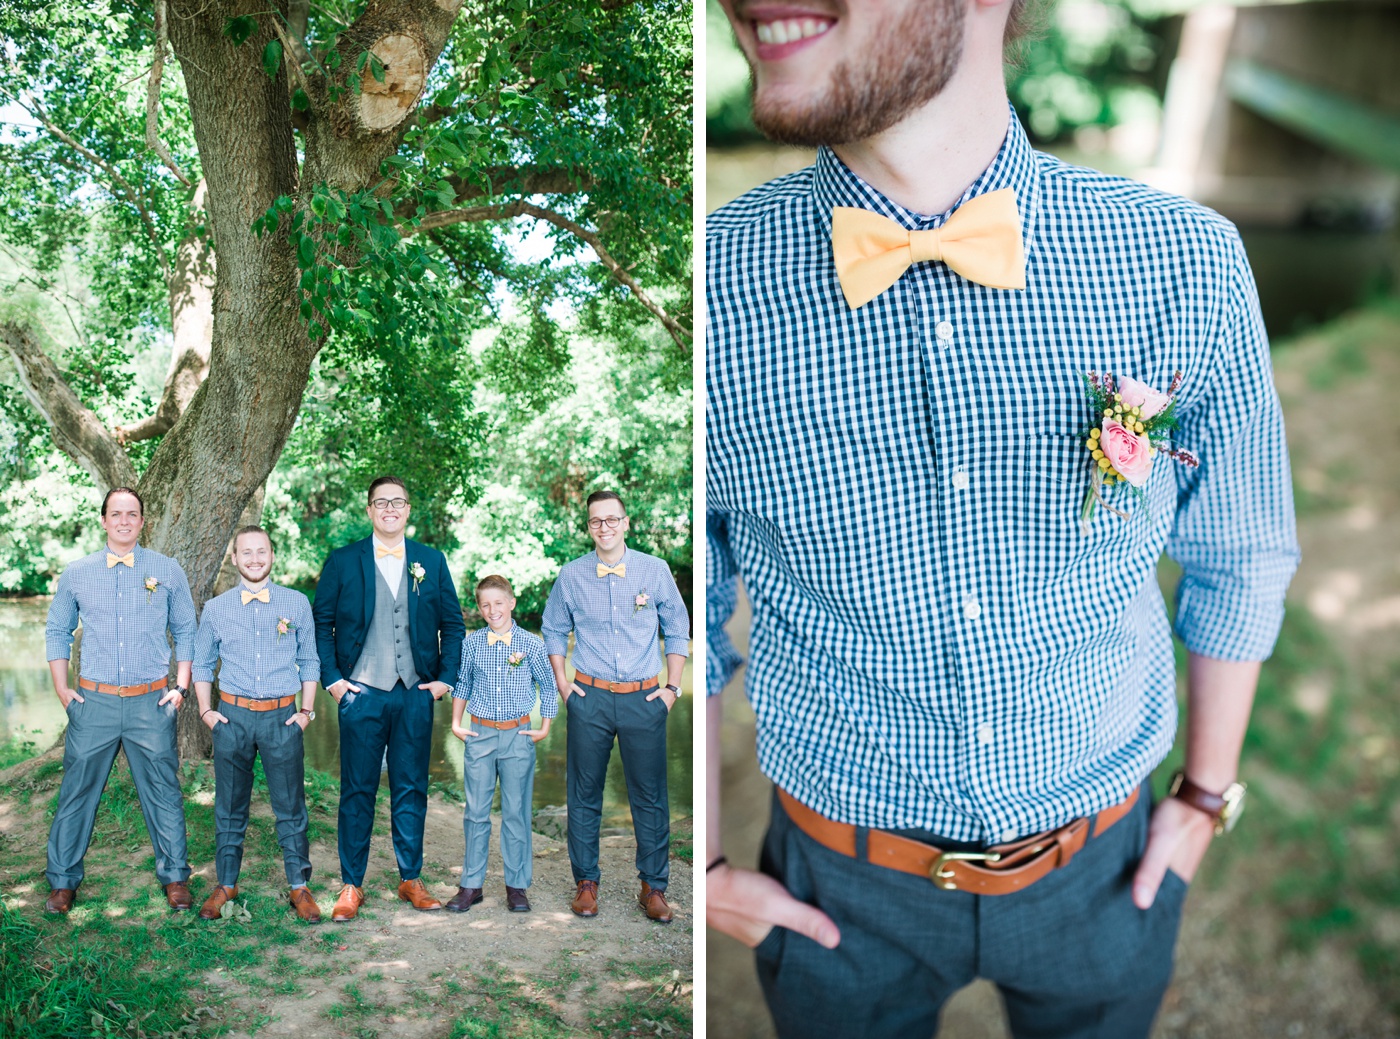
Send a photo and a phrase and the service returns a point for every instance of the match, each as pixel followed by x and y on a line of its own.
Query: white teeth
pixel 790 30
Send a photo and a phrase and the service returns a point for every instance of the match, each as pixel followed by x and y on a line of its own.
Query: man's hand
pixel 174 696
pixel 338 689
pixel 438 689
pixel 666 695
pixel 1177 838
pixel 67 696
pixel 746 905
pixel 212 718
pixel 462 732
pixel 567 689
pixel 299 718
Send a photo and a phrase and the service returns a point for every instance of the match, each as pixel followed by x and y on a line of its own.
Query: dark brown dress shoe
pixel 516 901
pixel 585 903
pixel 464 899
pixel 60 900
pixel 415 894
pixel 654 902
pixel 307 909
pixel 347 906
pixel 177 896
pixel 215 902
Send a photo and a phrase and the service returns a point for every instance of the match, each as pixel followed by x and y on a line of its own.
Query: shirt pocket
pixel 1053 542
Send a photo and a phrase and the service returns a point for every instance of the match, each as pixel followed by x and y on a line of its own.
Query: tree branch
pixel 511 210
pixel 153 140
pixel 76 430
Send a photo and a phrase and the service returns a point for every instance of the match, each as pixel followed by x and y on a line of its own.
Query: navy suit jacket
pixel 344 607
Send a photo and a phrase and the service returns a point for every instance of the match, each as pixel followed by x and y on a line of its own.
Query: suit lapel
pixel 411 550
pixel 367 568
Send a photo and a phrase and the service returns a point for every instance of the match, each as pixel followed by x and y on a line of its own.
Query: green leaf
pixel 239 29
pixel 306 310
pixel 306 252
pixel 300 101
pixel 376 69
pixel 272 58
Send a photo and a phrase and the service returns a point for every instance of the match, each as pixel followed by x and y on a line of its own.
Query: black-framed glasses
pixel 389 503
pixel 599 522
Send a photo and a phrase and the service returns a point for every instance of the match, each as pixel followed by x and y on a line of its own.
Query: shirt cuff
pixel 1224 625
pixel 680 647
pixel 184 648
pixel 720 664
pixel 200 673
pixel 555 646
pixel 58 649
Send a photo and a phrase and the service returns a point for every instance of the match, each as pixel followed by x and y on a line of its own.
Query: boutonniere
pixel 516 659
pixel 284 625
pixel 642 601
pixel 1133 424
pixel 151 585
pixel 416 571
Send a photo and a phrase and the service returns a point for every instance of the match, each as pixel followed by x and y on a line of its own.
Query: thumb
pixel 786 911
pixel 1151 870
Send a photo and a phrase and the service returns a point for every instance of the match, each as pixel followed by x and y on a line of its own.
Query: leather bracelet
pixel 717 862
pixel 207 710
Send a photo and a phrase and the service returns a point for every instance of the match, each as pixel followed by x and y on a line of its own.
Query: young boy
pixel 501 664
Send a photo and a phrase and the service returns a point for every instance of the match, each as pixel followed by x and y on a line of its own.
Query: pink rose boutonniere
pixel 516 659
pixel 415 570
pixel 642 601
pixel 284 625
pixel 1134 424
pixel 151 584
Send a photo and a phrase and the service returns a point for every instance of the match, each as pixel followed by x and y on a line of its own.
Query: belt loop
pixel 862 843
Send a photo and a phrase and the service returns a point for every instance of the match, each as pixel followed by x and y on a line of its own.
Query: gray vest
pixel 388 654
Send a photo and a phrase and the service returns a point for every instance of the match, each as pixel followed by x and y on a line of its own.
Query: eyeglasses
pixel 389 503
pixel 611 522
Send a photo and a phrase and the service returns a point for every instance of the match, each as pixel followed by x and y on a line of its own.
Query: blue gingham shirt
pixel 614 639
pixel 497 691
pixel 935 644
pixel 257 661
pixel 124 626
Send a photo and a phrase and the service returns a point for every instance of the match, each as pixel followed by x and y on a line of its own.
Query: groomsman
pixel 617 601
pixel 126 598
pixel 266 639
pixel 389 633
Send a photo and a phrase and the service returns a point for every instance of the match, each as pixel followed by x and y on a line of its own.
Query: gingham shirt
pixel 615 639
pixel 496 690
pixel 935 644
pixel 124 625
pixel 257 661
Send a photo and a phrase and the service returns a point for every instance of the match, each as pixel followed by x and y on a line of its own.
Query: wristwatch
pixel 1223 808
pixel 675 689
pixel 310 715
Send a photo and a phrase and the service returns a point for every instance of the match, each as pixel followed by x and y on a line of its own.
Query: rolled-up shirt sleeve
pixel 543 675
pixel 557 621
pixel 182 616
pixel 673 618
pixel 206 649
pixel 62 622
pixel 308 660
pixel 1235 535
pixel 721 596
pixel 462 689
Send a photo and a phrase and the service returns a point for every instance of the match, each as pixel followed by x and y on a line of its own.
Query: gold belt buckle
pixel 944 878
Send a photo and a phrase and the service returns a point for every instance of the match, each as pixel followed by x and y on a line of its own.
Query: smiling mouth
pixel 790 30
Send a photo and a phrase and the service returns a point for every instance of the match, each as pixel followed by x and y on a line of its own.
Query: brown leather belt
pixel 514 723
pixel 616 687
pixel 999 870
pixel 257 705
pixel 123 690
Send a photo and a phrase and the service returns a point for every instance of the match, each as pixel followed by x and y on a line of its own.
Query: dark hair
pixel 495 581
pixel 380 481
pixel 598 496
pixel 253 528
pixel 124 490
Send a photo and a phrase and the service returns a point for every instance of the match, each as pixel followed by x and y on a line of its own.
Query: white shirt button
pixel 944 331
pixel 985 734
pixel 960 480
pixel 972 609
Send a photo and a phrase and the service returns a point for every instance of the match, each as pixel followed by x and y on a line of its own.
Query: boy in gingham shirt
pixel 501 665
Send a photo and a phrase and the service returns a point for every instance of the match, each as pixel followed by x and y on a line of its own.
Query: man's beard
pixel 907 65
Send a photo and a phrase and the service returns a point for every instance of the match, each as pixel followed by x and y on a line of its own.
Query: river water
pixel 29 710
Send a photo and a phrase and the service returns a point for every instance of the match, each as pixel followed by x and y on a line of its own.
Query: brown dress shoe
pixel 516 901
pixel 307 909
pixel 215 901
pixel 464 899
pixel 60 900
pixel 415 894
pixel 654 902
pixel 585 903
pixel 177 896
pixel 347 906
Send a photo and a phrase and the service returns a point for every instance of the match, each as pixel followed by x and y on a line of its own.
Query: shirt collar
pixel 1014 166
pixel 626 551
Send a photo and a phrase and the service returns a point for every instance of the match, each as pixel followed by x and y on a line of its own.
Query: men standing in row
pixel 126 598
pixel 389 632
pixel 616 601
pixel 265 636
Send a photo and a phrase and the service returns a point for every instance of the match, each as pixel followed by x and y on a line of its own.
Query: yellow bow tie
pixel 380 552
pixel 129 559
pixel 260 595
pixel 492 638
pixel 620 570
pixel 981 241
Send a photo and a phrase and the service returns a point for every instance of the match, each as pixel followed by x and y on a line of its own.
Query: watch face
pixel 1234 805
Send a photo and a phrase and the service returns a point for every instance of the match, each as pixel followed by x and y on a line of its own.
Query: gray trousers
pixel 97 727
pixel 506 754
pixel 246 736
pixel 1071 954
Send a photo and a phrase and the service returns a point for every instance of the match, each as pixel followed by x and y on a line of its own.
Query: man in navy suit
pixel 389 633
